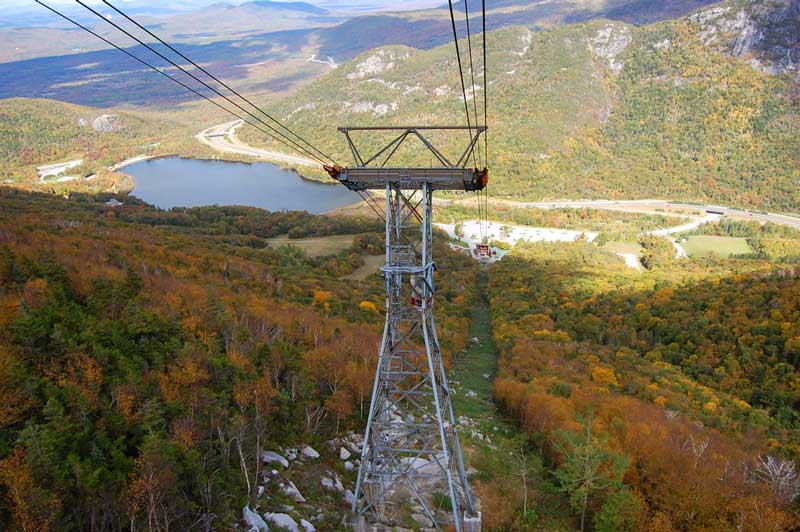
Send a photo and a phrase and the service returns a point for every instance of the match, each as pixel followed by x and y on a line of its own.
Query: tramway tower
pixel 411 448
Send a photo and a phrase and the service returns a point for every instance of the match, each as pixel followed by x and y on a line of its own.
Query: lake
pixel 175 182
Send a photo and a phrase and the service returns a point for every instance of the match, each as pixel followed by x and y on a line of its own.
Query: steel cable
pixel 209 74
pixel 294 144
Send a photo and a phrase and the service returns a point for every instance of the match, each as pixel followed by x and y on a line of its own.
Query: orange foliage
pixel 35 509
pixel 34 293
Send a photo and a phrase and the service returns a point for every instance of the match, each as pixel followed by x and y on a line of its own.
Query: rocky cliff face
pixel 766 32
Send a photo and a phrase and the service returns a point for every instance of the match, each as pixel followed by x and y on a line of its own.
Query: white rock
pixel 354 447
pixel 349 466
pixel 344 454
pixel 327 483
pixel 284 521
pixel 308 527
pixel 269 457
pixel 291 490
pixel 487 376
pixel 470 393
pixel 253 520
pixel 309 452
pixel 420 519
pixel 349 497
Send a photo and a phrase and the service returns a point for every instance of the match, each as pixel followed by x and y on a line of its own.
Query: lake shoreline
pixel 175 181
pixel 117 167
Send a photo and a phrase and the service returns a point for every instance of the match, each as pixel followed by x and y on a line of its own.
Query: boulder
pixel 349 497
pixel 327 483
pixel 291 490
pixel 283 521
pixel 344 454
pixel 421 519
pixel 349 466
pixel 105 123
pixel 308 527
pixel 309 452
pixel 254 520
pixel 270 457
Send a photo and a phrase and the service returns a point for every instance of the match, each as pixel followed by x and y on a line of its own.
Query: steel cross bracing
pixel 411 447
pixel 373 172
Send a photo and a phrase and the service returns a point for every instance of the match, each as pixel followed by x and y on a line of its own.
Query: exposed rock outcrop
pixel 106 123
pixel 767 32
pixel 608 44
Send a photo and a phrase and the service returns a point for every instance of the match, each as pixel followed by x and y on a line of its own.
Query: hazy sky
pixel 413 4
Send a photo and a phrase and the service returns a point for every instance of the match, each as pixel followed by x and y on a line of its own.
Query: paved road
pixel 708 218
pixel 223 138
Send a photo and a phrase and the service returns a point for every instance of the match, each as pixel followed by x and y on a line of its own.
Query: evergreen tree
pixel 588 469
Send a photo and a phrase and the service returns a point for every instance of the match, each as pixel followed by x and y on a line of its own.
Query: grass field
pixel 317 246
pixel 723 246
pixel 371 265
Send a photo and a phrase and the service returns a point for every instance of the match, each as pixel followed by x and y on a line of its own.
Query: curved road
pixel 223 138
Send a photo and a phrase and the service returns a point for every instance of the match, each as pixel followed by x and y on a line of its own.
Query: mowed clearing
pixel 317 246
pixel 371 265
pixel 723 246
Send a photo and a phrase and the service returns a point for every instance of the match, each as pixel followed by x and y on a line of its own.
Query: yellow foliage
pixel 604 376
pixel 710 406
pixel 368 306
pixel 660 400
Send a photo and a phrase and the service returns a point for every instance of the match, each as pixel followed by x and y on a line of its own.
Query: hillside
pixel 146 350
pixel 678 384
pixel 147 357
pixel 674 109
pixel 34 133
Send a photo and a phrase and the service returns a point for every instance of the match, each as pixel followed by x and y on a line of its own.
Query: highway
pixel 223 138
pixel 652 204
pixel 645 206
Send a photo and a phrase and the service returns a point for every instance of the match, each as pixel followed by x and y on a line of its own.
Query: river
pixel 176 182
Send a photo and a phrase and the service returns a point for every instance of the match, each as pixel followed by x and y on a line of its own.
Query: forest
pixel 154 354
pixel 664 401
pixel 147 357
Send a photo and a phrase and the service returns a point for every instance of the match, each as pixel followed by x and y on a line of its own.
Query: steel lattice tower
pixel 411 447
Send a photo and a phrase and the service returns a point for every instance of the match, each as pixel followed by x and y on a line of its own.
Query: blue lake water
pixel 175 182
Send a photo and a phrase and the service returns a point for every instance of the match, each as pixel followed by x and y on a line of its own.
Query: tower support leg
pixel 411 460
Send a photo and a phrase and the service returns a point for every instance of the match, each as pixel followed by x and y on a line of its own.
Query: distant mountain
pixel 35 32
pixel 290 6
pixel 219 21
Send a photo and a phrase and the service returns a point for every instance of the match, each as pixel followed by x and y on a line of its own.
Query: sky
pixel 181 4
